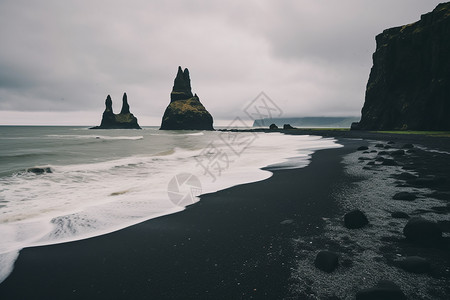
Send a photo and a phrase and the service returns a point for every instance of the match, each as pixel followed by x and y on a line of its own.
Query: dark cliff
pixel 124 120
pixel 409 83
pixel 185 111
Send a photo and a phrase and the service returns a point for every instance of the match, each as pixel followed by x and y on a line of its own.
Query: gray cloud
pixel 311 57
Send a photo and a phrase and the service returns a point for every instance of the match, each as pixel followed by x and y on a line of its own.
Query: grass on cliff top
pixel 429 133
pixel 321 128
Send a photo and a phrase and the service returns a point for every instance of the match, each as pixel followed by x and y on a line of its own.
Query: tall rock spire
pixel 181 86
pixel 125 106
pixel 124 120
pixel 185 112
pixel 108 104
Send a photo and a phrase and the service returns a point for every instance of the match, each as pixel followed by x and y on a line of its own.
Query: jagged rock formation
pixel 409 84
pixel 185 110
pixel 124 120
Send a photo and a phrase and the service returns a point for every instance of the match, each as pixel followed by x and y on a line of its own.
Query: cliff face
pixel 185 111
pixel 409 83
pixel 124 120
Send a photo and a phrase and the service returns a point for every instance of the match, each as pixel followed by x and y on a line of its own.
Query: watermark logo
pixel 219 154
pixel 183 189
pixel 261 108
pixel 236 141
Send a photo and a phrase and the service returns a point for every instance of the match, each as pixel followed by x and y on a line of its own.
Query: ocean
pixel 92 182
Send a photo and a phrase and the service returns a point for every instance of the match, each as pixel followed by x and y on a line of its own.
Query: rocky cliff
pixel 124 120
pixel 185 111
pixel 409 83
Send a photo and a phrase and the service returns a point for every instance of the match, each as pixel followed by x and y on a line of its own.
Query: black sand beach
pixel 234 244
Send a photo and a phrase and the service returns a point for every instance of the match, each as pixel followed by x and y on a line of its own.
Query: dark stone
pixel 383 153
pixel 373 151
pixel 124 120
pixel 273 126
pixel 387 147
pixel 400 215
pixel 362 148
pixel 391 142
pixel 326 261
pixel 409 83
pixel 379 158
pixel 364 158
pixel 355 219
pixel 414 264
pixel 185 111
pixel 398 152
pixel 288 126
pixel 408 146
pixel 379 145
pixel 406 176
pixel 440 195
pixel 370 163
pixel 420 230
pixel 404 196
pixel 427 181
pixel 384 290
pixel 389 162
pixel 40 170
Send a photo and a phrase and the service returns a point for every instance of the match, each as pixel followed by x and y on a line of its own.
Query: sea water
pixel 105 180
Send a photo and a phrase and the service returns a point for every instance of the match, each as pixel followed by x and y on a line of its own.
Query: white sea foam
pixel 92 136
pixel 79 201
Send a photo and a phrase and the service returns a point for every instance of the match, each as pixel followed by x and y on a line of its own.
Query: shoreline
pixel 234 243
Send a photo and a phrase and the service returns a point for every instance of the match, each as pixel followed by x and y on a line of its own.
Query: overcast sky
pixel 60 59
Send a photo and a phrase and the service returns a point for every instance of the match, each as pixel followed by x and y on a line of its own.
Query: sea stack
pixel 124 120
pixel 409 83
pixel 185 111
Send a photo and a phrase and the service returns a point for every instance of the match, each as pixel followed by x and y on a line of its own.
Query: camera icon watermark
pixel 262 110
pixel 183 189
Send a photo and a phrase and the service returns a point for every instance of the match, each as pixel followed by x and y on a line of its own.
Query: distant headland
pixel 123 120
pixel 185 111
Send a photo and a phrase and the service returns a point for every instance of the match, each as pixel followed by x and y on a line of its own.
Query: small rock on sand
pixel 326 261
pixel 398 152
pixel 355 219
pixel 407 196
pixel 385 289
pixel 408 146
pixel 400 215
pixel 420 230
pixel 389 162
pixel 414 264
pixel 362 148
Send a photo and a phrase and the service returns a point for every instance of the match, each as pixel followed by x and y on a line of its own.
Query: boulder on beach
pixel 389 162
pixel 408 146
pixel 414 264
pixel 405 176
pixel 420 230
pixel 326 261
pixel 355 219
pixel 398 152
pixel 288 126
pixel 273 126
pixel 362 148
pixel 406 196
pixel 185 111
pixel 399 215
pixel 123 120
pixel 384 290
